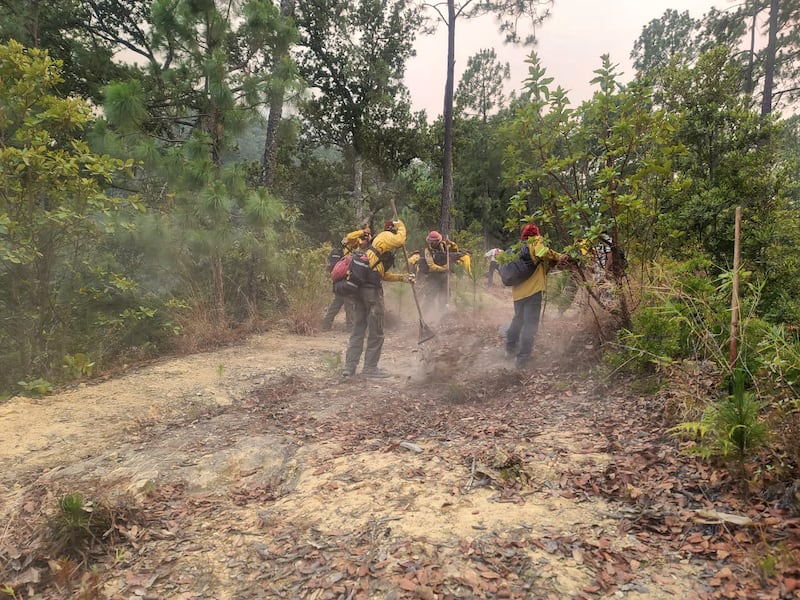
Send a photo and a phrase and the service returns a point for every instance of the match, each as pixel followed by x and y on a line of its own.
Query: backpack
pixel 439 258
pixel 339 270
pixel 422 263
pixel 334 257
pixel 520 269
pixel 359 272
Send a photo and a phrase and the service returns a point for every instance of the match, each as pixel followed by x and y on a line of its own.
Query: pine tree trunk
pixel 275 110
pixel 447 162
pixel 35 26
pixel 769 64
pixel 22 324
pixel 271 142
pixel 748 84
pixel 218 291
pixel 618 269
pixel 358 178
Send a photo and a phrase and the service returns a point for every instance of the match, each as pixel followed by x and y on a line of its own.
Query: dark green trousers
pixel 368 313
pixel 333 309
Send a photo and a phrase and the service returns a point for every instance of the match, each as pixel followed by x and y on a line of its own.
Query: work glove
pixel 411 278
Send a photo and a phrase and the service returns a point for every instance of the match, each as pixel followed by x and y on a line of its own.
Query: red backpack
pixel 342 266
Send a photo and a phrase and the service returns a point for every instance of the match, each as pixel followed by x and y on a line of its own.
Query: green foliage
pixel 686 315
pixel 730 161
pixel 77 365
pixel 729 428
pixel 477 174
pixel 53 211
pixel 216 224
pixel 683 316
pixel 661 40
pixel 421 186
pixel 561 290
pixel 593 172
pixel 125 105
pixel 64 28
pixel 655 339
pixel 481 87
pixel 354 54
pixel 36 387
pixel 75 512
pixel 780 366
pixel 77 524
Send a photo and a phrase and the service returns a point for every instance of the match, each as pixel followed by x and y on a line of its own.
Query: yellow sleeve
pixel 466 262
pixel 432 266
pixel 386 240
pixel 351 239
pixel 539 250
pixel 392 276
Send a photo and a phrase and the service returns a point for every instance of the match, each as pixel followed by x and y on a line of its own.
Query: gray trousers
pixel 436 290
pixel 493 266
pixel 524 325
pixel 368 312
pixel 333 309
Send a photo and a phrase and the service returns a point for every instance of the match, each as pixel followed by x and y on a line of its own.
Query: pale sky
pixel 569 45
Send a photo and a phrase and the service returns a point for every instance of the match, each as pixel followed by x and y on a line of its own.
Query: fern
pixel 730 428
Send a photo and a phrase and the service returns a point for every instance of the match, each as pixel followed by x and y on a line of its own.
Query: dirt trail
pixel 257 472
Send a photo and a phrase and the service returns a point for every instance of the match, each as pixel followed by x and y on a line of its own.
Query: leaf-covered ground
pixel 256 472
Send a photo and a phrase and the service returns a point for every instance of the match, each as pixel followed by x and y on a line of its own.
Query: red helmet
pixel 529 230
pixel 434 237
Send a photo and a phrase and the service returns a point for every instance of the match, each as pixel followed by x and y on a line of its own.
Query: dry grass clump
pixel 200 330
pixel 304 319
pixel 52 542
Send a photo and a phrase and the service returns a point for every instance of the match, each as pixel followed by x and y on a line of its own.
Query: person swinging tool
pixel 527 296
pixel 368 307
pixel 434 265
pixel 360 238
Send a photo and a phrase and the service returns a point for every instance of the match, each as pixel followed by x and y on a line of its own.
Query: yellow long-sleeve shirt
pixel 466 262
pixel 432 266
pixel 387 241
pixel 538 281
pixel 351 240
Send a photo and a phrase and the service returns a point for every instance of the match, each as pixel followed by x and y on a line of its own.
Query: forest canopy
pixel 192 194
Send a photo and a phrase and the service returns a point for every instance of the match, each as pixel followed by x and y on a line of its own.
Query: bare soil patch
pixel 257 472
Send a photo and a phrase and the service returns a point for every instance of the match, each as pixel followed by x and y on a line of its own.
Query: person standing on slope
pixel 360 238
pixel 368 306
pixel 527 296
pixel 492 256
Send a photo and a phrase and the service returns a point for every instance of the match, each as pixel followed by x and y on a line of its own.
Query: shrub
pixel 78 524
pixel 307 289
pixel 730 428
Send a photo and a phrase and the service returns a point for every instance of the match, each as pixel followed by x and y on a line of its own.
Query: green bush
pixel 685 314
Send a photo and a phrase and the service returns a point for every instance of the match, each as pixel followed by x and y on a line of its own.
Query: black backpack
pixel 520 269
pixel 360 273
pixel 422 263
pixel 439 258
